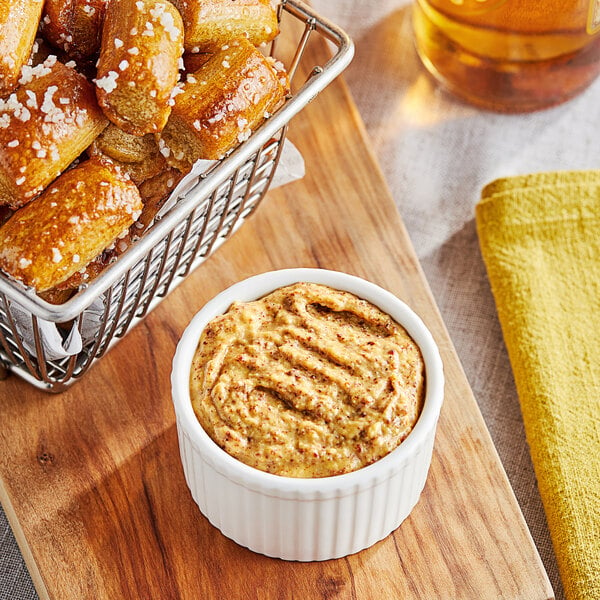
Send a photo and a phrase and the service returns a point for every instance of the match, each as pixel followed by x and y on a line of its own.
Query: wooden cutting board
pixel 91 479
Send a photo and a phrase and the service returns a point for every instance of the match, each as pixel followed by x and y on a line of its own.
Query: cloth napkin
pixel 540 241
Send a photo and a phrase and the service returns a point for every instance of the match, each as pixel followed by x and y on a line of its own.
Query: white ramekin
pixel 305 519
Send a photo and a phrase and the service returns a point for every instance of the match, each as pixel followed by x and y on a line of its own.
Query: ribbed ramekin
pixel 305 519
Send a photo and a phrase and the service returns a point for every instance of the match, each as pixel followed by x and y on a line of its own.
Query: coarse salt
pixel 56 255
pixel 107 83
pixel 31 99
pixel 48 104
pixel 166 20
pixel 13 144
pixel 163 148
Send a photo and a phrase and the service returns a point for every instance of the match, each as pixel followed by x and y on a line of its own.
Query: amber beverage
pixel 510 55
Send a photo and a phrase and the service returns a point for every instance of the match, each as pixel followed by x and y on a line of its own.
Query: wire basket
pixel 214 205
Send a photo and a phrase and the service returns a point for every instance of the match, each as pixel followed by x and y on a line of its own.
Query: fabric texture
pixel 540 240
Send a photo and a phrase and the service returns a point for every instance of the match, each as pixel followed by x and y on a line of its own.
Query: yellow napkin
pixel 540 240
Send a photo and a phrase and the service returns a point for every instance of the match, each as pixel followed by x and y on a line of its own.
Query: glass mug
pixel 510 55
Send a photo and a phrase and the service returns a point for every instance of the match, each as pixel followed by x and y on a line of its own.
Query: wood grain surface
pixel 92 482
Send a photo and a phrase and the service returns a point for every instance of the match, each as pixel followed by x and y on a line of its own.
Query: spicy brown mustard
pixel 307 381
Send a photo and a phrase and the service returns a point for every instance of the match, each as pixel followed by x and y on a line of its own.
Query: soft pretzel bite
pixel 124 147
pixel 19 20
pixel 74 26
pixel 221 104
pixel 155 191
pixel 85 210
pixel 212 23
pixel 138 156
pixel 142 44
pixel 83 276
pixel 44 126
pixel 139 172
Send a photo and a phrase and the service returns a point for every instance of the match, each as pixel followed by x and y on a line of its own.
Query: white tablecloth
pixel 436 154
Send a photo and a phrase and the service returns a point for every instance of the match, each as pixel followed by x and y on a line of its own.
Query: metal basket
pixel 214 205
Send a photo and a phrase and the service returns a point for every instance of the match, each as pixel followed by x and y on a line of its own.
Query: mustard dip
pixel 307 382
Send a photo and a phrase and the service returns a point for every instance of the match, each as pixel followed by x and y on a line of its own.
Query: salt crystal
pixel 13 144
pixel 56 255
pixel 31 99
pixel 107 83
pixel 23 114
pixel 156 11
pixel 118 43
pixel 48 103
pixel 163 148
pixel 166 20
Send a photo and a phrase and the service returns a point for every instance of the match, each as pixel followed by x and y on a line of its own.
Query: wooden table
pixel 91 479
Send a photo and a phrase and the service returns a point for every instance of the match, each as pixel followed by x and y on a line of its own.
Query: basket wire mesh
pixel 215 204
